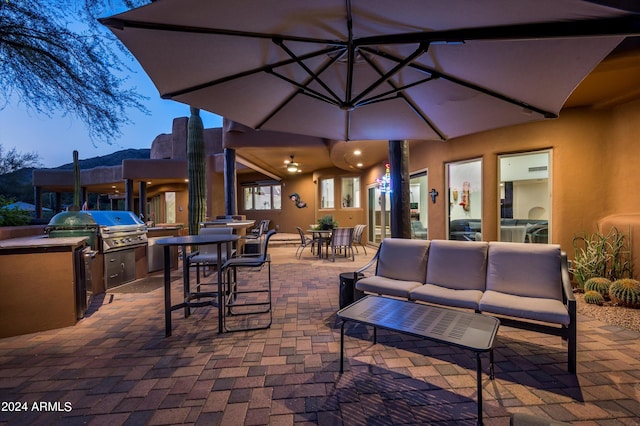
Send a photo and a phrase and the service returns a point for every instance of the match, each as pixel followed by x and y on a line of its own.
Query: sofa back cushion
pixel 530 270
pixel 458 265
pixel 403 259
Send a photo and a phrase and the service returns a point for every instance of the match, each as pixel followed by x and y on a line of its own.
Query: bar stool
pixel 236 301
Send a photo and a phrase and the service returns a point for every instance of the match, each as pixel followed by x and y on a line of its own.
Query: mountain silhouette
pixel 18 186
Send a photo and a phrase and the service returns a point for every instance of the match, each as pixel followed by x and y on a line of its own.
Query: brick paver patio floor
pixel 116 367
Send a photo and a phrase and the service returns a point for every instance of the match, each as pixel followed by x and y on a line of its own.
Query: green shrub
pixel 12 216
pixel 625 292
pixel 599 284
pixel 594 298
pixel 600 255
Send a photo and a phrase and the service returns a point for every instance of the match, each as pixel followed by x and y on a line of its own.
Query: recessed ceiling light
pixel 357 152
pixel 359 164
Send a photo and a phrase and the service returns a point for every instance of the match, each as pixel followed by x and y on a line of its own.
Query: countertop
pixel 40 241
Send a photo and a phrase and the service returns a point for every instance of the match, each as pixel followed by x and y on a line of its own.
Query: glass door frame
pixel 372 224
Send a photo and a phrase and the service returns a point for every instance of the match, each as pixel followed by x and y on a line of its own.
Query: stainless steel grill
pixel 118 230
pixel 115 235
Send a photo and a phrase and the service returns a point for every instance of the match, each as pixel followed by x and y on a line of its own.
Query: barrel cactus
pixel 593 297
pixel 625 292
pixel 599 284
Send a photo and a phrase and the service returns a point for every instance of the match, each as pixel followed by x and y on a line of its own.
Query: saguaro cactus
pixel 197 170
pixel 76 182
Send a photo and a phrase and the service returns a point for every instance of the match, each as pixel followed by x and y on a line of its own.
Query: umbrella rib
pixel 303 89
pixel 402 95
pixel 263 68
pixel 351 55
pixel 394 91
pixel 625 25
pixel 488 92
pixel 312 74
pixel 385 77
pixel 121 24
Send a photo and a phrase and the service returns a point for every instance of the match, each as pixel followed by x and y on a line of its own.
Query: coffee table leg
pixel 492 374
pixel 479 376
pixel 342 347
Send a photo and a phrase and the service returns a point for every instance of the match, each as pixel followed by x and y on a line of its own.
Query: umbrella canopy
pixel 372 69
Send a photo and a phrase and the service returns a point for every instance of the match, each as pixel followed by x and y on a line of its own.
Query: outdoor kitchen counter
pixel 40 242
pixel 38 283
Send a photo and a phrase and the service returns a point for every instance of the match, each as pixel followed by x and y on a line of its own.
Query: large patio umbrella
pixel 373 69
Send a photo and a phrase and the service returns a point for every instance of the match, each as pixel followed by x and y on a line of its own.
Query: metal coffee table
pixel 466 330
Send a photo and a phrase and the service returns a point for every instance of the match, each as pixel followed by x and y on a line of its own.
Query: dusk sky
pixel 55 138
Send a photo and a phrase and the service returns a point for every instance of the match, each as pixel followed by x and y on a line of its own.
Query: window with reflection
pixel 262 197
pixel 419 194
pixel 327 194
pixel 351 192
pixel 525 197
pixel 464 181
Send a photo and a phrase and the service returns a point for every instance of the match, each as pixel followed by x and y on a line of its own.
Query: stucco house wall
pixel 594 163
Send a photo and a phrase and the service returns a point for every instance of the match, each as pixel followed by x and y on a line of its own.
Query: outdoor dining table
pixel 324 238
pixel 189 296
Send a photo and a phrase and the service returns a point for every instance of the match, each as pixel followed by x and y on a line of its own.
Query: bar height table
pixel 184 241
pixel 475 332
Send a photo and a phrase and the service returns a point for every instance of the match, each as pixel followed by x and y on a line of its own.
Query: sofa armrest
pixel 572 329
pixel 567 290
pixel 373 261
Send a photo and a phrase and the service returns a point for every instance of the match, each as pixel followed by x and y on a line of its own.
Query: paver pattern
pixel 116 367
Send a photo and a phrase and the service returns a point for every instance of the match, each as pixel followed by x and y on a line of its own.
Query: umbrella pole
pixel 400 192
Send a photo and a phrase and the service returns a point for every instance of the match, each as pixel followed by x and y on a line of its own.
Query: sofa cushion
pixel 458 265
pixel 403 259
pixel 446 296
pixel 533 308
pixel 528 270
pixel 387 286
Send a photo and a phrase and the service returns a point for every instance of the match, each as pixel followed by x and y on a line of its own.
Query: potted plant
pixel 327 222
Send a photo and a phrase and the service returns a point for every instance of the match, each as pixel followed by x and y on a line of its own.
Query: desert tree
pixel 12 160
pixel 56 58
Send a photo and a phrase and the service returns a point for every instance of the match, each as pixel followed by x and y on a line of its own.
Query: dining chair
pixel 260 230
pixel 358 233
pixel 305 242
pixel 243 298
pixel 207 255
pixel 342 238
pixel 255 237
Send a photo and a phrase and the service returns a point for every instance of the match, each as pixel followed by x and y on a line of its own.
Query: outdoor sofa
pixel 525 285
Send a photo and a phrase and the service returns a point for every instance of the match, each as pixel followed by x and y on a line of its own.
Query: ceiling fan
pixel 292 166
